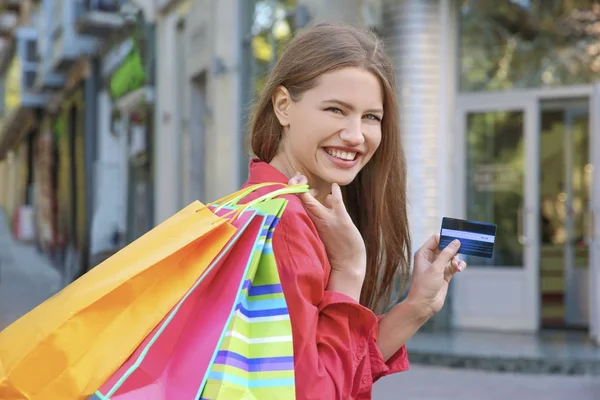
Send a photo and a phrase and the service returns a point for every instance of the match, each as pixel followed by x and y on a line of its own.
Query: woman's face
pixel 333 130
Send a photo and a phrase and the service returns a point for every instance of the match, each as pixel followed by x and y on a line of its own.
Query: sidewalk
pixel 26 277
pixel 440 383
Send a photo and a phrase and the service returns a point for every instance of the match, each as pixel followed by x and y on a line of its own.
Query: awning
pixel 17 123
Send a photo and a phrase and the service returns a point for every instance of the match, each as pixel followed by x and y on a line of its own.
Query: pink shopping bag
pixel 171 362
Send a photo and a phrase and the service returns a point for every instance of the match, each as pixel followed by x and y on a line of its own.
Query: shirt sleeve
pixel 396 363
pixel 335 338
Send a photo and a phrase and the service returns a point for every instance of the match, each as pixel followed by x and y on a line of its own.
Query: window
pixel 269 26
pixel 495 177
pixel 271 30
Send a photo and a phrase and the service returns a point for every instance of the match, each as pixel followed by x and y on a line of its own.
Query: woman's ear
pixel 282 100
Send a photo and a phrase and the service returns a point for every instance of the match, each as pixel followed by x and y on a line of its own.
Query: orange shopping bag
pixel 69 345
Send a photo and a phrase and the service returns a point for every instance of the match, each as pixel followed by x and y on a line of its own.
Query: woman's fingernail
pixel 462 265
pixel 455 243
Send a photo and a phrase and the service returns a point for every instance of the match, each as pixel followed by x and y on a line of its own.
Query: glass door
pixel 565 190
pixel 498 183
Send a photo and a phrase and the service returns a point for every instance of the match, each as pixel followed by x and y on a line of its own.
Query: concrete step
pixel 548 352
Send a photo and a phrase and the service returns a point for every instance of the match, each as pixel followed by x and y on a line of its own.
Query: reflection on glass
pixel 565 183
pixel 495 165
pixel 272 28
pixel 581 189
pixel 528 43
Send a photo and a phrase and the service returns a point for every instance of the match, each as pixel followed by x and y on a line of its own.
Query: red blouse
pixel 335 338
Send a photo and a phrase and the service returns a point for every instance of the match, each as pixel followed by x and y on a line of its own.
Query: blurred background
pixel 116 114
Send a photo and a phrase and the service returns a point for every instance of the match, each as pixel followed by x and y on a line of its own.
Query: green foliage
pixel 528 43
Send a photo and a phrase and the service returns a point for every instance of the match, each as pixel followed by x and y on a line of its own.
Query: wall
pixel 167 161
pixel 419 36
pixel 110 178
pixel 414 39
pixel 212 45
pixel 334 10
pixel 214 40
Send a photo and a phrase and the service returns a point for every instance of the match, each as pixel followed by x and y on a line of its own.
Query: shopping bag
pixel 69 345
pixel 174 360
pixel 256 358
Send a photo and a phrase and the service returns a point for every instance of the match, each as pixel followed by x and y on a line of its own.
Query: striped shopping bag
pixel 257 355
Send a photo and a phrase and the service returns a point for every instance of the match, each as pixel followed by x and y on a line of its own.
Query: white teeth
pixel 344 155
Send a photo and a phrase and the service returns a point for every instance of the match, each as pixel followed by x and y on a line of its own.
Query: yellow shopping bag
pixel 69 345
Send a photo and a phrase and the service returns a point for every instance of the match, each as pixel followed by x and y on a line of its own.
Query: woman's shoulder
pixel 294 214
pixel 296 242
pixel 294 220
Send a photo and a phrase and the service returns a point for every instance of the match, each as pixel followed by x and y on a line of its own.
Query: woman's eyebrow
pixel 351 107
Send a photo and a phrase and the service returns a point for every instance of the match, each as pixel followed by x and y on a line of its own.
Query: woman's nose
pixel 352 134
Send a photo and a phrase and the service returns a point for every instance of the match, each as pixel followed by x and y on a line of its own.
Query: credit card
pixel 476 238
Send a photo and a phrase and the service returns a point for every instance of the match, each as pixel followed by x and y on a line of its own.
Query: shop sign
pixel 128 76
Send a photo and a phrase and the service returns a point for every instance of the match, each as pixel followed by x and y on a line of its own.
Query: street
pixel 437 383
pixel 26 277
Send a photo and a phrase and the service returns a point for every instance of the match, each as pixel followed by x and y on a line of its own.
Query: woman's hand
pixel 433 269
pixel 343 242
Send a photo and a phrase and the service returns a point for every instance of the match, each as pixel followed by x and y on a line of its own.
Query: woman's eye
pixel 373 117
pixel 334 110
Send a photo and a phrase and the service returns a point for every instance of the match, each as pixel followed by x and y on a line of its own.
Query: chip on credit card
pixel 476 238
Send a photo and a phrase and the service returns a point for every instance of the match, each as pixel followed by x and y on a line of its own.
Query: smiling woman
pixel 327 94
pixel 328 117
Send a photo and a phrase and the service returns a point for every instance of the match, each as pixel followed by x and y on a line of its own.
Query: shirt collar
pixel 260 171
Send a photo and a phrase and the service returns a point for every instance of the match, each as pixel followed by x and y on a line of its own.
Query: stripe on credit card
pixel 468 235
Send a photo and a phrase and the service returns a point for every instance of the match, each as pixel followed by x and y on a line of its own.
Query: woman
pixel 328 116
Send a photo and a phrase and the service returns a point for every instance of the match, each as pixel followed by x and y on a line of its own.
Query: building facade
pixel 64 185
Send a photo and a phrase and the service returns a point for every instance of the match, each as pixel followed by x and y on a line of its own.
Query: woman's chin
pixel 342 178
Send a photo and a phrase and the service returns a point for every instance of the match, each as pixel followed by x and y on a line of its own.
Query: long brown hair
pixel 376 199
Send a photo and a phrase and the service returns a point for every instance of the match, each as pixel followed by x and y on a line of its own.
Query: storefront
pixel 526 124
pixel 17 132
pixel 44 172
pixel 69 129
pixel 130 84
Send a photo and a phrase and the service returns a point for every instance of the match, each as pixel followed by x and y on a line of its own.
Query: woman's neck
pixel 288 166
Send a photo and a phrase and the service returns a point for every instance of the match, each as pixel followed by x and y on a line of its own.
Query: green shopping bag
pixel 256 357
